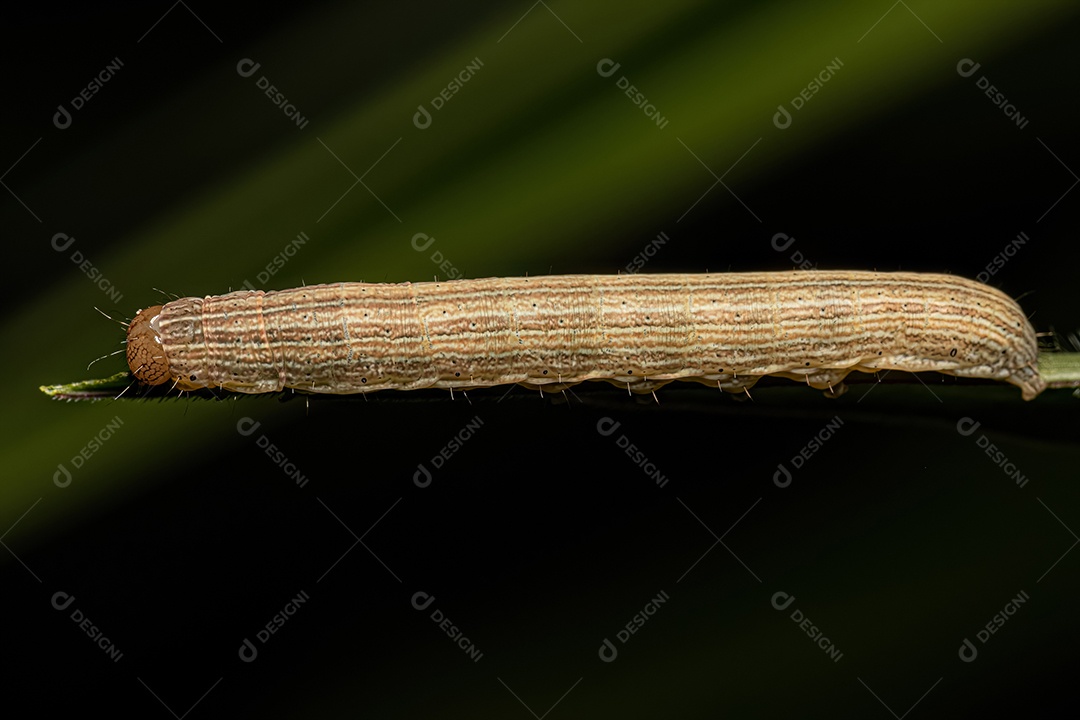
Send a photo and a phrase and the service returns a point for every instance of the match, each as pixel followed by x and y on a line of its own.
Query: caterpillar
pixel 635 331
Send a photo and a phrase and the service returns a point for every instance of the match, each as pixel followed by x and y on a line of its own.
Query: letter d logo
pixel 245 426
pixel 784 473
pixel 782 118
pixel 422 477
pixel 418 241
pixel 967 67
pixel 61 242
pixel 61 600
pixel 61 472
pixel 422 118
pixel 247 68
pixel 248 652
pixel 62 118
pixel 968 652
pixel 779 244
pixel 966 426
pixel 422 600
pixel 781 600
pixel 607 68
pixel 606 426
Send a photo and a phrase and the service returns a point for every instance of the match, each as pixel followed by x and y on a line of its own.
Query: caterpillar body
pixel 635 331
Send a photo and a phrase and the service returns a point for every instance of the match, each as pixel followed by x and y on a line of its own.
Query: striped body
pixel 640 331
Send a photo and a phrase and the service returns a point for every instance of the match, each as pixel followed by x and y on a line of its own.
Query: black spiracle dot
pixel 952 353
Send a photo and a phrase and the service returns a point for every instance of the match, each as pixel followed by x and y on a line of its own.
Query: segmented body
pixel 636 331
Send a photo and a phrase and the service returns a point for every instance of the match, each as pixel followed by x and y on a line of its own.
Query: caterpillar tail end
pixel 1030 382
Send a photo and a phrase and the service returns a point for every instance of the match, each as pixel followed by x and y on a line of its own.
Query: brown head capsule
pixel 145 356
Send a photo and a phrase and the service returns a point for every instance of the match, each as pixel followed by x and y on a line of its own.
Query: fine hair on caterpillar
pixel 635 331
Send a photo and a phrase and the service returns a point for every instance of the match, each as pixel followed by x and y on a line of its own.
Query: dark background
pixel 179 538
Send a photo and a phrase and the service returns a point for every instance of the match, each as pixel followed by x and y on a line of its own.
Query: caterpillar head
pixel 145 356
